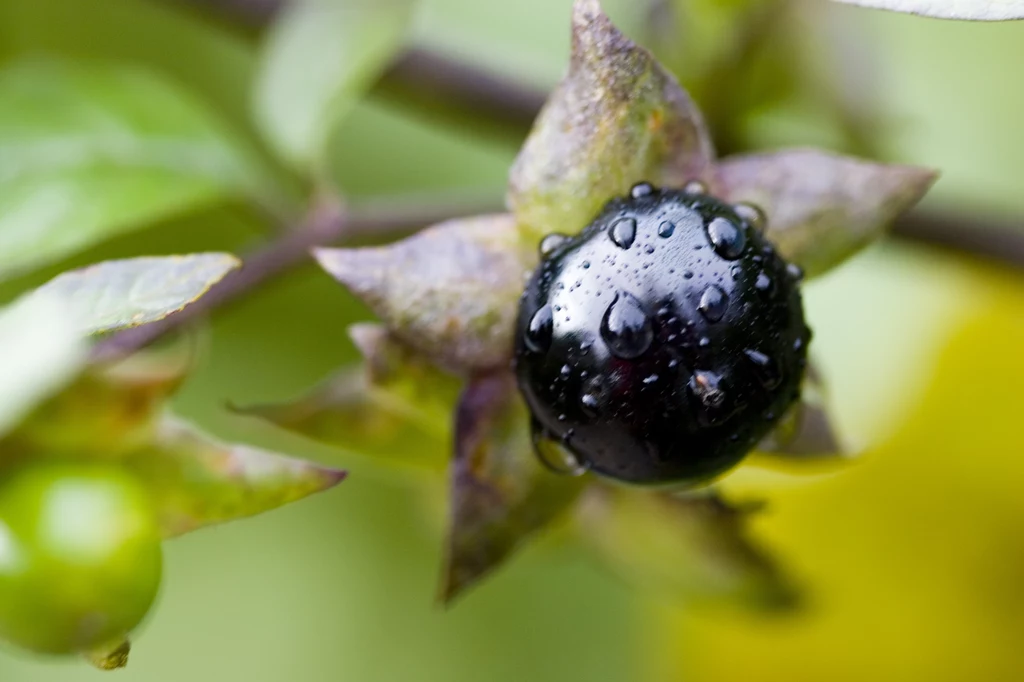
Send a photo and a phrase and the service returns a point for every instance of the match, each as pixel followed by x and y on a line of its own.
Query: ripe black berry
pixel 664 341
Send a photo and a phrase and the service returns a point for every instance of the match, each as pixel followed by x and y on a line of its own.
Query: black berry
pixel 664 341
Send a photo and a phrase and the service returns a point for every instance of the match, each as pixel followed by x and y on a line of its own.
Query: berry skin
pixel 663 342
pixel 80 557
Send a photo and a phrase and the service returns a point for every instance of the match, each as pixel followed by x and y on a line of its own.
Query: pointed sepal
pixel 616 119
pixel 449 292
pixel 500 493
pixel 196 481
pixel 822 208
pixel 693 548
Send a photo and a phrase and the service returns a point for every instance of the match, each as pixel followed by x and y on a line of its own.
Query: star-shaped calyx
pixel 448 298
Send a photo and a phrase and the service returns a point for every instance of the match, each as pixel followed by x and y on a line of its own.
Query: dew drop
pixel 623 232
pixel 704 342
pixel 540 330
pixel 713 303
pixel 641 190
pixel 566 370
pixel 695 187
pixel 764 284
pixel 586 265
pixel 707 388
pixel 590 404
pixel 767 369
pixel 795 272
pixel 550 243
pixel 649 249
pixel 650 379
pixel 727 239
pixel 752 215
pixel 687 274
pixel 553 455
pixel 626 328
pixel 666 229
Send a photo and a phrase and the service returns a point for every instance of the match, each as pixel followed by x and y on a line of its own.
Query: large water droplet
pixel 626 328
pixel 554 455
pixel 695 187
pixel 623 232
pixel 713 303
pixel 764 284
pixel 666 229
pixel 727 238
pixel 766 368
pixel 550 243
pixel 539 331
pixel 641 190
pixel 795 272
pixel 752 215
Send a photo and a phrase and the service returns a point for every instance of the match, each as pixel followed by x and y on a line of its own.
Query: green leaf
pixel 500 494
pixel 822 208
pixel 395 408
pixel 105 413
pixel 616 119
pixel 87 153
pixel 975 10
pixel 196 481
pixel 319 59
pixel 694 549
pixel 126 293
pixel 449 292
pixel 41 349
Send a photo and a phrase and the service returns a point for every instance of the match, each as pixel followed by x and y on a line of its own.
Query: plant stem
pixel 326 224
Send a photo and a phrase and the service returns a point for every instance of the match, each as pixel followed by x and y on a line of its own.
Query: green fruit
pixel 80 557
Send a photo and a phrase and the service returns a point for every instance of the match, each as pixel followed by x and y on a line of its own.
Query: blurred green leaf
pixel 319 59
pixel 88 152
pixel 975 10
pixel 41 349
pixel 616 119
pixel 500 493
pixel 693 548
pixel 104 413
pixel 396 407
pixel 196 481
pixel 822 208
pixel 127 293
pixel 449 291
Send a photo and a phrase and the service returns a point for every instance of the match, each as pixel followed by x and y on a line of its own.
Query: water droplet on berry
pixel 590 404
pixel 550 243
pixel 666 229
pixel 626 328
pixel 795 271
pixel 727 239
pixel 641 190
pixel 764 283
pixel 704 342
pixel 623 232
pixel 586 265
pixel 768 372
pixel 553 455
pixel 752 215
pixel 687 274
pixel 713 303
pixel 539 332
pixel 566 370
pixel 706 387
pixel 650 379
pixel 695 187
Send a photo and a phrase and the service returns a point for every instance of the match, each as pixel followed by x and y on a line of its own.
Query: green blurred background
pixel 914 557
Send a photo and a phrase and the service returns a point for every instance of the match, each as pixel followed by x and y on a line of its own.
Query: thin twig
pixel 328 224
